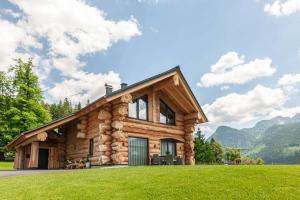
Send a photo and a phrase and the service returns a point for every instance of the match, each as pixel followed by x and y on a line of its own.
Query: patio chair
pixel 156 160
pixel 169 160
pixel 178 160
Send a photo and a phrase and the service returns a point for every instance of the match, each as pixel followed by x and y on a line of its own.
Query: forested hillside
pixel 275 141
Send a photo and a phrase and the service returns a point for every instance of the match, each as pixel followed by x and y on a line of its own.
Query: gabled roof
pixel 107 98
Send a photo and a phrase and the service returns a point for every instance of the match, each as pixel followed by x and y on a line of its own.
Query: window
pixel 91 147
pixel 167 116
pixel 139 108
pixel 167 148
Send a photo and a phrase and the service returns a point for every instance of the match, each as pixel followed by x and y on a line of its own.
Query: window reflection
pixel 139 108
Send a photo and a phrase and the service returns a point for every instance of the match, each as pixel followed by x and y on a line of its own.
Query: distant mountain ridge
pixel 276 140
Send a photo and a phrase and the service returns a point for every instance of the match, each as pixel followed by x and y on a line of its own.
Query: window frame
pixel 167 109
pixel 136 100
pixel 91 147
pixel 167 143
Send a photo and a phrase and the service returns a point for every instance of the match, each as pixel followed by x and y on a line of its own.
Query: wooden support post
pixel 105 138
pixel 34 155
pixel 189 127
pixel 119 137
pixel 19 158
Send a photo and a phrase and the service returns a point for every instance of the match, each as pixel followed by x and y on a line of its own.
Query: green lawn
pixel 6 165
pixel 174 182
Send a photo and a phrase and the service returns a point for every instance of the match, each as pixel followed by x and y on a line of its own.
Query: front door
pixel 43 158
pixel 137 151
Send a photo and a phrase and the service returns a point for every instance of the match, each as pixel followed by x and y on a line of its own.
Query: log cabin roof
pixel 107 98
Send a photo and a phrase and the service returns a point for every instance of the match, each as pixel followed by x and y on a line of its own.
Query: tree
pixel 21 102
pixel 207 151
pixel 62 108
pixel 232 154
pixel 6 93
pixel 217 149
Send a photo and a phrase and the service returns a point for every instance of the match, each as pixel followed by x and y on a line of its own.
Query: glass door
pixel 137 151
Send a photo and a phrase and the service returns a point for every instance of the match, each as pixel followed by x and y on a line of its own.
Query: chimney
pixel 123 85
pixel 108 89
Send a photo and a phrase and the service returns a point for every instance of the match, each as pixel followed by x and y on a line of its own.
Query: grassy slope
pixel 6 165
pixel 181 182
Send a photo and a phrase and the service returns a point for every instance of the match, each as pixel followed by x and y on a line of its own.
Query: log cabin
pixel 124 127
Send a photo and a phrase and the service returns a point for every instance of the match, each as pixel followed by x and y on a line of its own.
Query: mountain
pixel 231 137
pixel 281 144
pixel 276 140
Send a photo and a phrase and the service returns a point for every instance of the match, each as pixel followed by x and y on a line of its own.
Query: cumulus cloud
pixel 289 80
pixel 241 108
pixel 64 31
pixel 13 38
pixel 87 86
pixel 232 69
pixel 282 8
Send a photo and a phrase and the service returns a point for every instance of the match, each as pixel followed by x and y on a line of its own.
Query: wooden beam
pixel 188 92
pixel 185 101
pixel 36 138
pixel 179 103
pixel 51 126
pixel 34 155
pixel 172 81
pixel 194 115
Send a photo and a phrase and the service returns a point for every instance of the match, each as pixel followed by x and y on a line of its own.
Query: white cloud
pixel 282 8
pixel 232 69
pixel 289 80
pixel 241 108
pixel 285 112
pixel 72 29
pixel 69 29
pixel 12 38
pixel 88 86
pixel 227 61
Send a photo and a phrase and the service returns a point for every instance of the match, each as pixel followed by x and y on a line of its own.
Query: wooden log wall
pixel 53 159
pixel 119 143
pixel 77 148
pixel 19 158
pixel 34 155
pixel 105 135
pixel 189 128
pixel 82 127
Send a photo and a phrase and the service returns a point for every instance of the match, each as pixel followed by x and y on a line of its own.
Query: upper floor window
pixel 167 115
pixel 139 108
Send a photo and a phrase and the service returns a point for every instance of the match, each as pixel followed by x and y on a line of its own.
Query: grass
pixel 6 166
pixel 174 182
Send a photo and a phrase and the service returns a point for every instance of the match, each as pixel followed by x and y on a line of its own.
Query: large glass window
pixel 139 108
pixel 167 148
pixel 167 116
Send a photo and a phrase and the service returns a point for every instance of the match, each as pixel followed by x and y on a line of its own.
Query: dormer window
pixel 138 109
pixel 167 115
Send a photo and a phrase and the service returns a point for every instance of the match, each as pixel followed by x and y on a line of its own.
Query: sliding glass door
pixel 137 151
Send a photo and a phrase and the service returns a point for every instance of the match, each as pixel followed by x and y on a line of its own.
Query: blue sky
pixel 76 44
